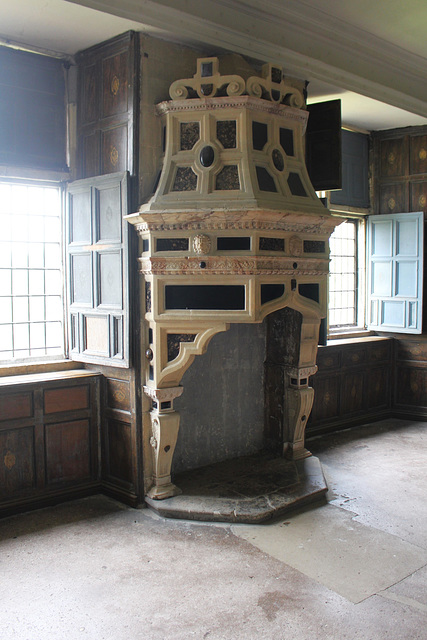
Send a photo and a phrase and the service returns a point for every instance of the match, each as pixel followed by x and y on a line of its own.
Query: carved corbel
pixel 172 370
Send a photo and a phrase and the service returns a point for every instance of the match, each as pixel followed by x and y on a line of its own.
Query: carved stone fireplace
pixel 233 234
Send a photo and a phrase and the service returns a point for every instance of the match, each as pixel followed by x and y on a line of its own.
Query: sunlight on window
pixel 31 308
pixel 343 276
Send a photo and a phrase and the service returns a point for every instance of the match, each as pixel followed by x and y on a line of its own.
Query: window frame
pixel 35 178
pixel 339 331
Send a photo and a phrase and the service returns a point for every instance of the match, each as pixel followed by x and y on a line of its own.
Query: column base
pixel 162 492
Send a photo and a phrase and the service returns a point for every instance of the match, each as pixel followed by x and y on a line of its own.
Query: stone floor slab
pixel 328 545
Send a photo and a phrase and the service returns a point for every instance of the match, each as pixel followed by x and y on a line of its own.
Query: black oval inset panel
pixel 207 156
pixel 278 160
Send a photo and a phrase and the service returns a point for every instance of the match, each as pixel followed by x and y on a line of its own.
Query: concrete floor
pixel 352 568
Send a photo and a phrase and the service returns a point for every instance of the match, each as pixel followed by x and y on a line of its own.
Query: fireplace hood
pixel 233 233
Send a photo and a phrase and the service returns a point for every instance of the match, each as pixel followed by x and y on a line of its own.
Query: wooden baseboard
pixel 122 495
pixel 31 503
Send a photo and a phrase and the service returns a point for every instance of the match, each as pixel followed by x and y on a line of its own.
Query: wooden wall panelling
pixel 352 385
pixel 394 198
pixel 400 170
pixel 418 195
pixel 418 154
pixel 17 465
pixel 108 143
pixel 410 377
pixel 108 107
pixel 49 439
pixel 121 453
pixel 393 157
pixel 68 452
pixel 400 179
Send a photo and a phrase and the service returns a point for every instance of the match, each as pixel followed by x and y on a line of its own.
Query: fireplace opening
pixel 222 409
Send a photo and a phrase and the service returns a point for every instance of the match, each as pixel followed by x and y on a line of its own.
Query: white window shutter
pixel 395 272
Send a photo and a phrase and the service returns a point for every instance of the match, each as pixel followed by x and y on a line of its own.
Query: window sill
pixel 350 333
pixel 47 366
pixel 355 338
pixel 35 378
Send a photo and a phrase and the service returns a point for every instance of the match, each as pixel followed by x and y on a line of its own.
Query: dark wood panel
pixel 328 358
pixel 377 387
pixel 118 394
pixel 16 405
pixel 411 386
pixel 68 451
pixel 91 154
pixel 119 453
pixel 411 350
pixel 115 83
pixel 418 154
pixel 355 356
pixel 108 112
pixel 66 399
pixel 400 170
pixel 352 393
pixel 379 352
pixel 326 403
pixel 114 150
pixel 392 158
pixel 418 196
pixel 394 198
pixel 17 463
pixel 42 457
pixel 89 103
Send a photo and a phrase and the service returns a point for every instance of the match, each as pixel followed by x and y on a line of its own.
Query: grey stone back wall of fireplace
pixel 222 407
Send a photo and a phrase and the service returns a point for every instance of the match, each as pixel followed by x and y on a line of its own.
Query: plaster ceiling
pixel 66 27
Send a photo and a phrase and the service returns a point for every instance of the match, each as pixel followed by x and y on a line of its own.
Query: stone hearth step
pixel 250 489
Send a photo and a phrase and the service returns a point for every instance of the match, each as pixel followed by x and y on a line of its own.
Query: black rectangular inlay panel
pixel 266 180
pixel 233 243
pixel 271 292
pixel 310 291
pixel 296 186
pixel 212 297
pixel 206 70
pixel 172 244
pixel 145 245
pixel 259 135
pixel 287 141
pixel 272 244
pixel 314 246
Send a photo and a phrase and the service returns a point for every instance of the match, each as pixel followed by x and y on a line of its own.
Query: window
pixel 31 303
pixel 347 276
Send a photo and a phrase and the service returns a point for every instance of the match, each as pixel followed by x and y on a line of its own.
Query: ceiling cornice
pixel 308 42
